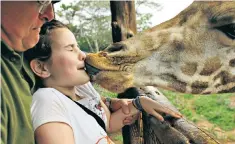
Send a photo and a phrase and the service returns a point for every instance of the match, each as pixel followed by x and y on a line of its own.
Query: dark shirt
pixel 17 85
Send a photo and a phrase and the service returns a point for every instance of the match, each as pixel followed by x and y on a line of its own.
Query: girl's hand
pixel 131 119
pixel 123 104
pixel 117 104
pixel 154 108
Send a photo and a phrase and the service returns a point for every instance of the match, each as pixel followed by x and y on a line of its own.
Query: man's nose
pixel 48 14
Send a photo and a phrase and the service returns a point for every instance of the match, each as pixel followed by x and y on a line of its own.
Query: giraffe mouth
pixel 91 71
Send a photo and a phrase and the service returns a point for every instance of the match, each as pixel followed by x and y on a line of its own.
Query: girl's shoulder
pixel 48 106
pixel 48 95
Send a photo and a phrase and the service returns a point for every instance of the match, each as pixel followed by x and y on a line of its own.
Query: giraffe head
pixel 192 53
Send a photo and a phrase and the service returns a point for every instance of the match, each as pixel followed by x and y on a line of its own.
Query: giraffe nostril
pixel 103 54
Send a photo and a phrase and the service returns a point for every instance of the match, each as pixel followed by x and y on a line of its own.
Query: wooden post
pixel 123 20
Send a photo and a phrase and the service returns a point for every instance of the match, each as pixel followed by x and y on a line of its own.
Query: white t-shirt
pixel 91 100
pixel 50 105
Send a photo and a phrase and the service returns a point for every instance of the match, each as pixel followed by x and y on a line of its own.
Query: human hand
pixel 131 119
pixel 116 104
pixel 154 108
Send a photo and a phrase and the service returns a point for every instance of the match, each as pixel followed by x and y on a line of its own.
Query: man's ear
pixel 40 68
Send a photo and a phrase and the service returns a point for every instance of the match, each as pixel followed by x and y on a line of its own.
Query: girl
pixel 57 114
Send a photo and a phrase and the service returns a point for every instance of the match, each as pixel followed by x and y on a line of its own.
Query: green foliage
pixel 143 22
pixel 90 21
pixel 104 92
pixel 183 103
pixel 143 18
pixel 118 138
pixel 187 112
pixel 188 96
pixel 216 110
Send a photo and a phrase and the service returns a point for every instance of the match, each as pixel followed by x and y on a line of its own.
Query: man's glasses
pixel 43 5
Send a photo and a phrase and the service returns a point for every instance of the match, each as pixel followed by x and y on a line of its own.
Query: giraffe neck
pixel 214 76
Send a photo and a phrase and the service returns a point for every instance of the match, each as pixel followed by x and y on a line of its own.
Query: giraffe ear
pixel 40 68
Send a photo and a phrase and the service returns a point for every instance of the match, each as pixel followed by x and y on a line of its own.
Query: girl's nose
pixel 82 56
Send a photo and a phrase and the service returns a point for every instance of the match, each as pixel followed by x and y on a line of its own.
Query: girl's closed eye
pixel 71 47
pixel 75 47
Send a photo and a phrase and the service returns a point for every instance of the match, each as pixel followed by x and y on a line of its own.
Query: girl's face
pixel 66 64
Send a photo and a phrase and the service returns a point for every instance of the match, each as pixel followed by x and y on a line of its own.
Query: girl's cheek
pixel 63 62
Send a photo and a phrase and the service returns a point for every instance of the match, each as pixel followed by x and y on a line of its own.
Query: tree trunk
pixel 149 130
pixel 89 44
pixel 123 20
pixel 96 45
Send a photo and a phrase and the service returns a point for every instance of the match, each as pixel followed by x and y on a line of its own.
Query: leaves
pixel 90 21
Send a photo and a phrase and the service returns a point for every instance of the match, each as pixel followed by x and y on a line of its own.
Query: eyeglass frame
pixel 43 5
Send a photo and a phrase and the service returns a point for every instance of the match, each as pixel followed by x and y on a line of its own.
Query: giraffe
pixel 192 53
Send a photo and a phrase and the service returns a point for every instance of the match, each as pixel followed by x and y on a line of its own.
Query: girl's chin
pixel 85 80
pixel 82 83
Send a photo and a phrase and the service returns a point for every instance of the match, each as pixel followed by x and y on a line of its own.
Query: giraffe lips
pixel 91 71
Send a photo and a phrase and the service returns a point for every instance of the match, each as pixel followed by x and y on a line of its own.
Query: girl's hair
pixel 42 50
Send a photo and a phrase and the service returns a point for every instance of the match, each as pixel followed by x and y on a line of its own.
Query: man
pixel 20 27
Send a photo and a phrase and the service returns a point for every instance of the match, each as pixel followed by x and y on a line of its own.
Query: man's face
pixel 21 23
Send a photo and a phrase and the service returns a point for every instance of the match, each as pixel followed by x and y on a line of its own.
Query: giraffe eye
pixel 228 30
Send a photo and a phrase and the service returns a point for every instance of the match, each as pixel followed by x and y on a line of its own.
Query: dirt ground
pixel 223 136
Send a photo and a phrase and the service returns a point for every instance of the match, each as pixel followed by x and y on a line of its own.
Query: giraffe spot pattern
pixel 228 90
pixel 187 15
pixel 179 86
pixel 189 68
pixel 232 63
pixel 198 86
pixel 174 82
pixel 179 46
pixel 210 66
pixel 225 77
